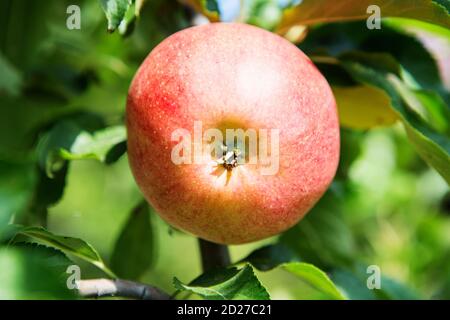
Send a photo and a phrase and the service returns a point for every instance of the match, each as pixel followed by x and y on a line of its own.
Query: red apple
pixel 231 76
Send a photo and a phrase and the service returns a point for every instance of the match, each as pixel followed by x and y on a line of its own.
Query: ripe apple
pixel 231 76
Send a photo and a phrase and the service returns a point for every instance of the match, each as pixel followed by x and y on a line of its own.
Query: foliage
pixel 65 185
pixel 227 284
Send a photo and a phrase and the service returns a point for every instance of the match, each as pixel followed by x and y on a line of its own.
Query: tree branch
pixel 119 288
pixel 213 255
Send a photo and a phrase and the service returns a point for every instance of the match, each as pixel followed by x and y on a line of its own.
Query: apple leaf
pixel 414 62
pixel 37 266
pixel 433 109
pixel 363 107
pixel 10 77
pixel 48 191
pixel 115 11
pixel 431 145
pixel 352 282
pixel 271 256
pixel 310 12
pixel 122 14
pixel 323 238
pixel 62 135
pixel 80 138
pixel 209 8
pixel 104 145
pixel 280 256
pixel 54 258
pixel 314 277
pixel 264 14
pixel 434 38
pixel 16 189
pixel 68 245
pixel 133 251
pixel 8 232
pixel 226 284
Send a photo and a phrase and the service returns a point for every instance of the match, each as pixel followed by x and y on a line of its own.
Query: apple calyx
pixel 229 159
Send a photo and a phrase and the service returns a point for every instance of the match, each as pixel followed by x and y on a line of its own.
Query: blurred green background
pixel 386 207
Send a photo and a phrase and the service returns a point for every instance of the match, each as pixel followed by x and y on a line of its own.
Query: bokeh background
pixel 386 207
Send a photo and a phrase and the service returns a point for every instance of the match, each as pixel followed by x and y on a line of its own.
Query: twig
pixel 119 288
pixel 213 255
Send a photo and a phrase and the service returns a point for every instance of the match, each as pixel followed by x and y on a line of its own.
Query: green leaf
pixel 353 287
pixel 77 139
pixel 122 14
pixel 350 150
pixel 133 252
pixel 315 277
pixel 68 245
pixel 394 290
pixel 310 12
pixel 54 258
pixel 115 11
pixel 363 107
pixel 432 146
pixel 227 284
pixel 262 13
pixel 97 145
pixel 353 283
pixel 62 135
pixel 270 257
pixel 434 38
pixel 279 255
pixel 48 191
pixel 432 109
pixel 209 8
pixel 8 232
pixel 17 182
pixel 322 237
pixel 395 49
pixel 10 78
pixel 31 274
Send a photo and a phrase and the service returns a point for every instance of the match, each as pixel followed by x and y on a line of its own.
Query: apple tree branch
pixel 97 288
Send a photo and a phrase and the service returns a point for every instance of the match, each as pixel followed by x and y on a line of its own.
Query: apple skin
pixel 236 75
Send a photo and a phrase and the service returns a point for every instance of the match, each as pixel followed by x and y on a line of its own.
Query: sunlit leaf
pixel 314 277
pixel 264 14
pixel 95 146
pixel 432 146
pixel 280 256
pixel 310 12
pixel 115 11
pixel 209 8
pixel 434 38
pixel 77 139
pixel 226 284
pixel 363 107
pixel 396 49
pixel 68 245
